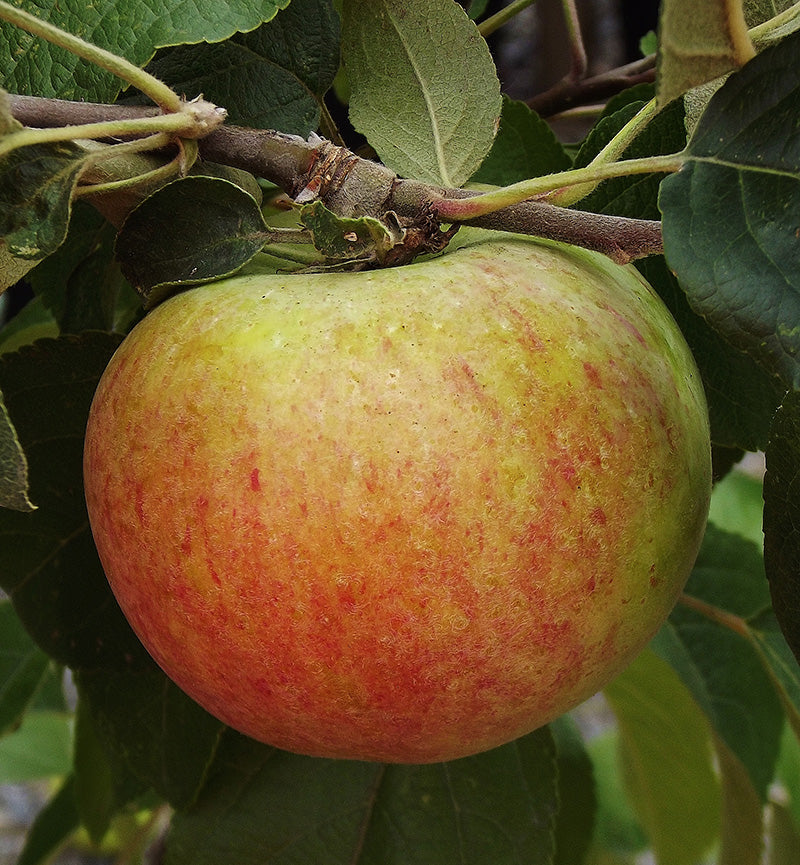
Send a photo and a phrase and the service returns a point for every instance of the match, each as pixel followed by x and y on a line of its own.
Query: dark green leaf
pixel 94 778
pixel 636 195
pixel 268 807
pixel 524 147
pixel 742 396
pixel 714 661
pixel 577 797
pixel 145 721
pixel 665 748
pixel 34 321
pixel 782 520
pixel 51 828
pixel 48 563
pixel 731 215
pixel 780 664
pixel 13 466
pixel 22 668
pixel 130 28
pixel 424 89
pixel 80 283
pixel 271 78
pixel 618 832
pixel 36 186
pixel 190 231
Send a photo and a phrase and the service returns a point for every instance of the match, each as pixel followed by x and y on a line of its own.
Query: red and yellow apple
pixel 403 515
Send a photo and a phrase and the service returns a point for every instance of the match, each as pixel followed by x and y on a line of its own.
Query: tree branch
pixel 351 186
pixel 569 92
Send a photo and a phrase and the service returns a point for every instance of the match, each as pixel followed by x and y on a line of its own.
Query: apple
pixel 403 515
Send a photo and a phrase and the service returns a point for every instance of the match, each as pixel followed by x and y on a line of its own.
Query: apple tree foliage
pixel 701 762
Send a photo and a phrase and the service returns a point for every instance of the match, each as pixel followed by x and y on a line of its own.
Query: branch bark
pixel 359 187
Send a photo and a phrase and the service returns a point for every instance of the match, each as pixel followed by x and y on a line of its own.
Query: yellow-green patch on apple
pixel 402 515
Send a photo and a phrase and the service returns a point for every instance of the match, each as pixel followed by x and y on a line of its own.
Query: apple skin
pixel 403 515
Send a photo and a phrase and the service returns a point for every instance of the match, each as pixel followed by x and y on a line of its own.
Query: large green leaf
pixel 22 668
pixel 711 649
pixel 48 562
pixel 782 518
pixel 80 284
pixel 730 216
pixel 127 27
pixel 577 795
pixel 271 78
pixel 665 747
pixel 164 245
pixel 36 186
pixel 146 723
pixel 268 807
pixel 742 396
pixel 424 87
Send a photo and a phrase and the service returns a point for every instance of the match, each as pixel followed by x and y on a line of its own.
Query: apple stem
pixel 461 209
pixel 503 16
pixel 170 124
pixel 611 153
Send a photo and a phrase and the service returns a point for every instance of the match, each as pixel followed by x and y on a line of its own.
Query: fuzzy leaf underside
pixel 424 88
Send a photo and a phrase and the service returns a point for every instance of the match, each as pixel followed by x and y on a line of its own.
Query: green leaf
pixel 134 30
pixel 48 562
pixel 51 828
pixel 618 831
pixel 780 663
pixel 781 518
pixel 94 778
pixel 365 239
pixel 525 146
pixel 730 216
pixel 784 839
pixel 742 812
pixel 665 747
pixel 144 720
pixel 636 195
pixel 742 396
pixel 22 668
pixel 710 648
pixel 12 269
pixel 268 807
pixel 36 187
pixel 424 87
pixel 699 42
pixel 271 78
pixel 40 749
pixel 80 283
pixel 737 505
pixel 34 321
pixel 13 466
pixel 577 798
pixel 165 244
